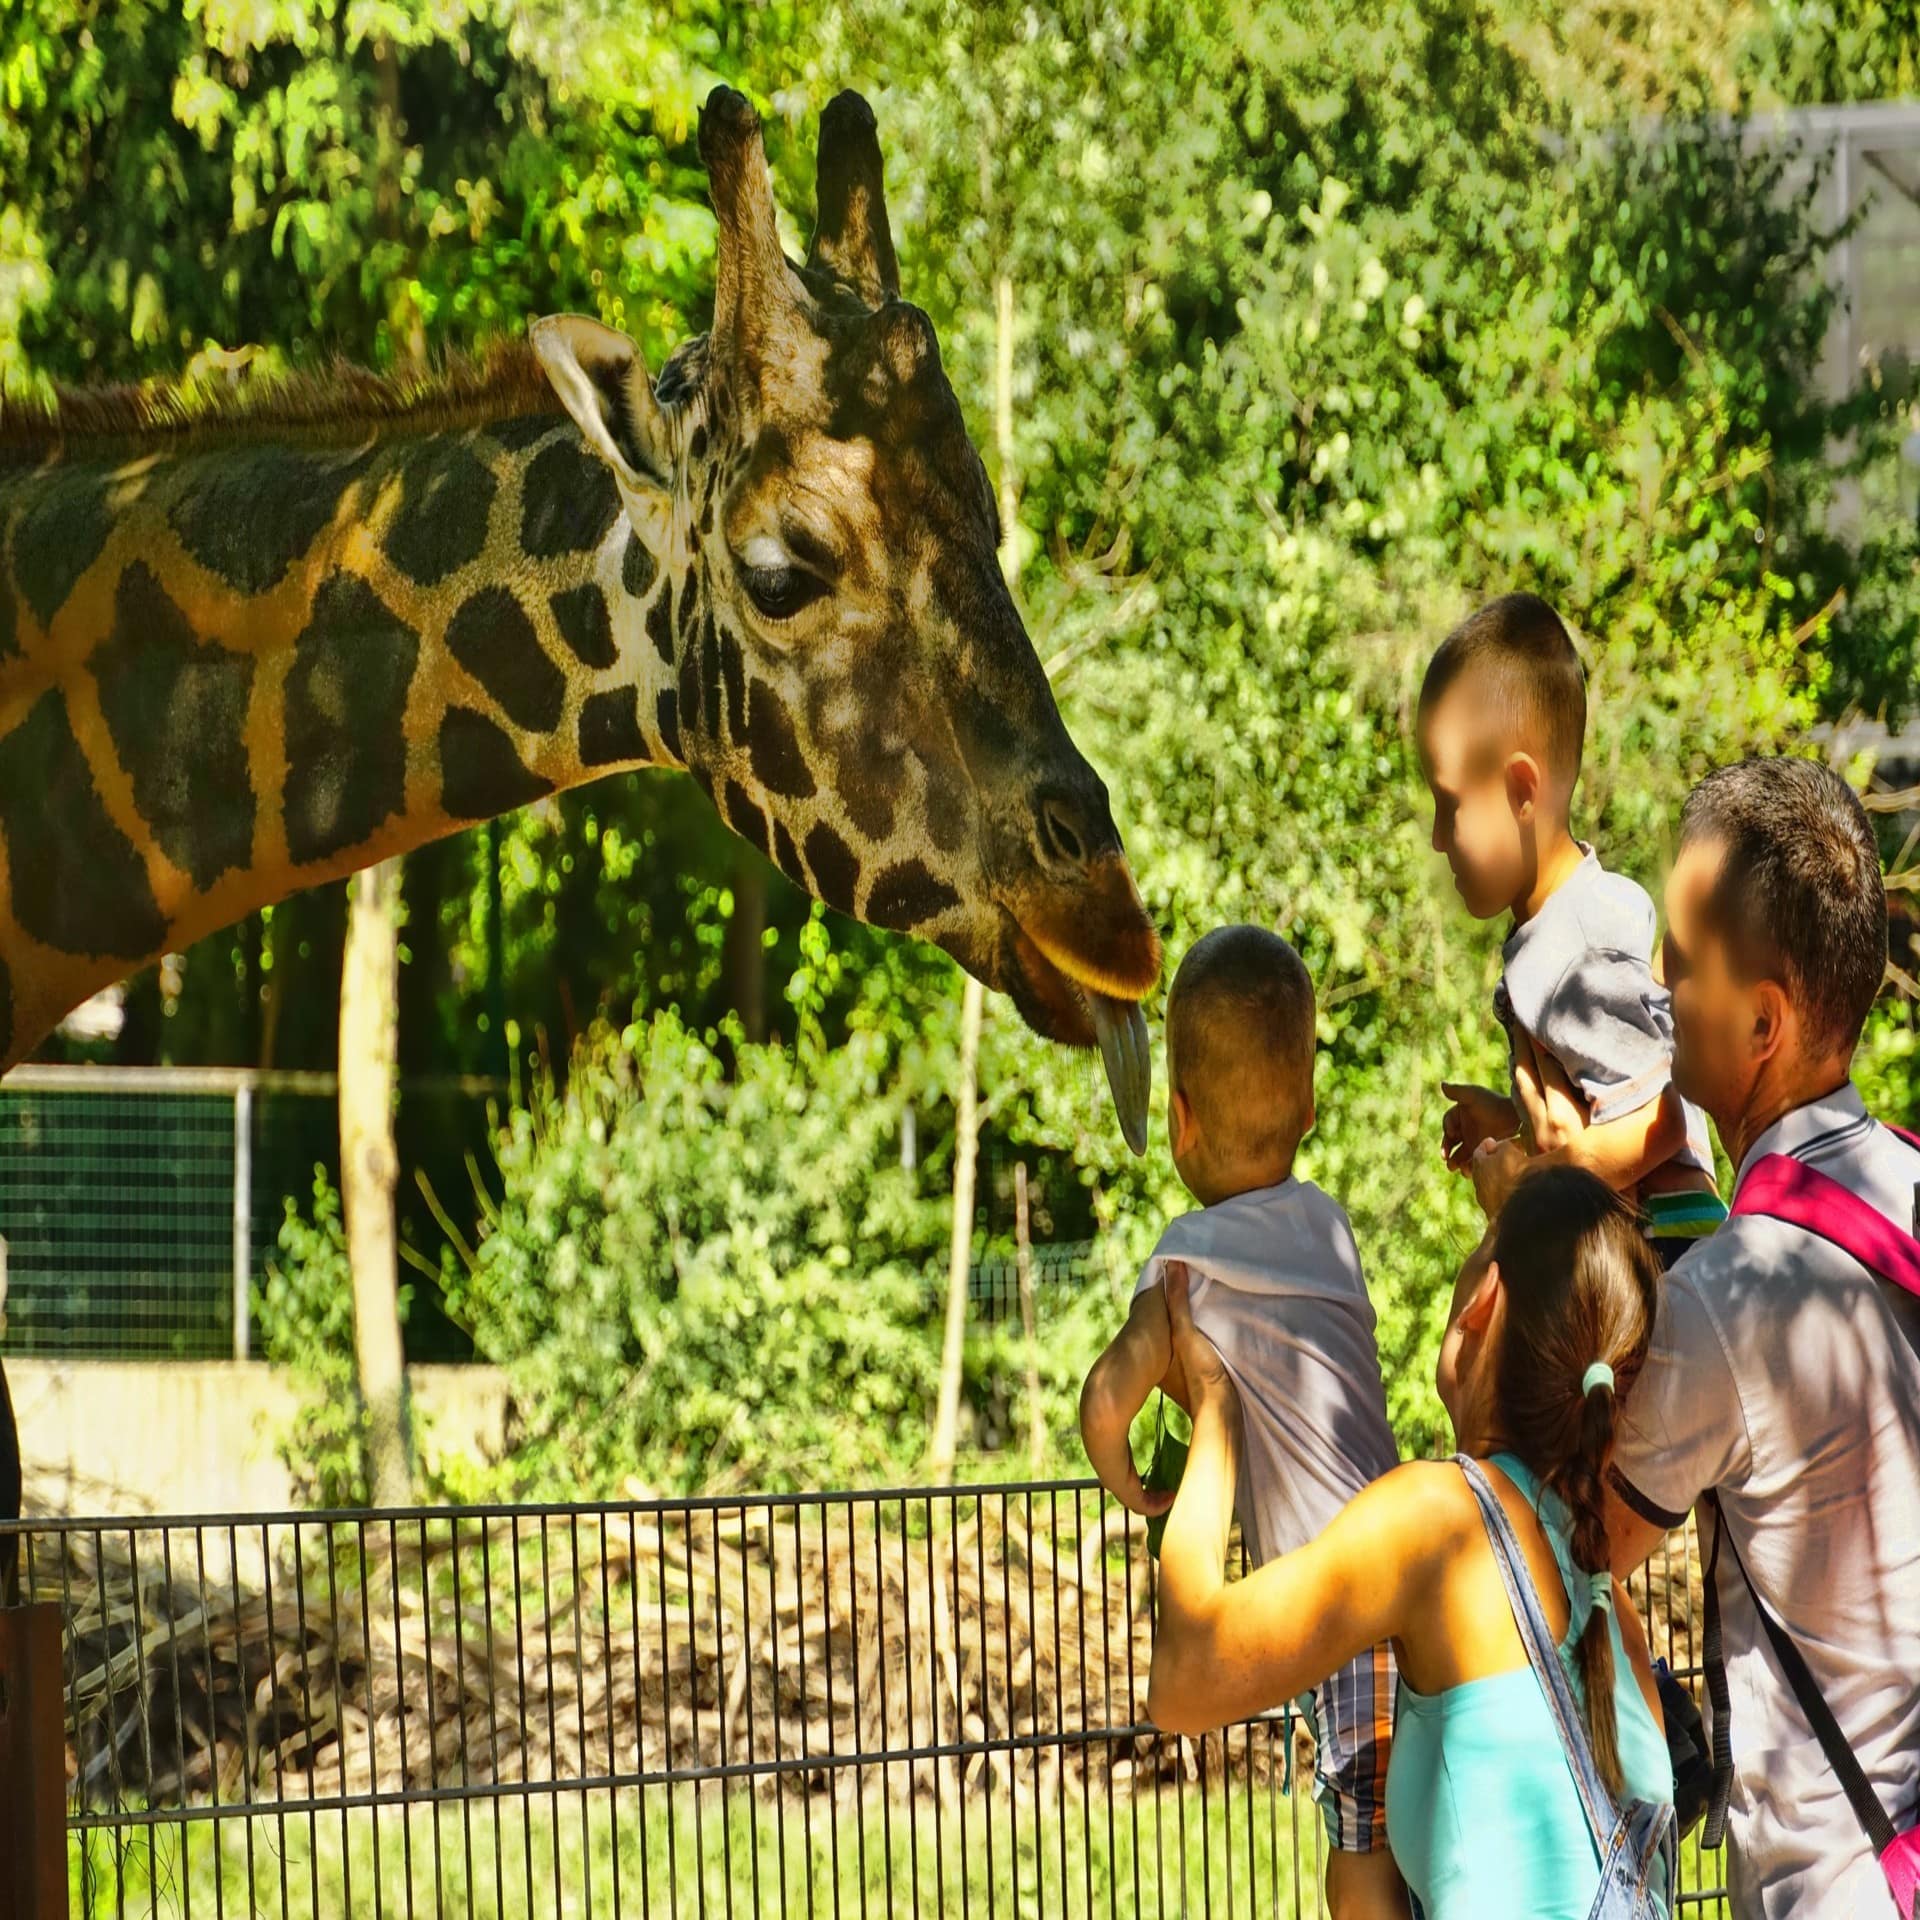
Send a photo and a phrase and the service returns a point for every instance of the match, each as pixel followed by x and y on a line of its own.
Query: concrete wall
pixel 107 1437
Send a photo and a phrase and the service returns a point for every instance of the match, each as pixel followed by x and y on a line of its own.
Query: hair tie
pixel 1603 1591
pixel 1597 1375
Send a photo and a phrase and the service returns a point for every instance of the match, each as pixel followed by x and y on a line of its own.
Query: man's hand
pixel 1478 1114
pixel 1555 1114
pixel 1496 1166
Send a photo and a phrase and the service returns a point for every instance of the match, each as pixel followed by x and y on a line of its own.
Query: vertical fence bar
pixel 242 1217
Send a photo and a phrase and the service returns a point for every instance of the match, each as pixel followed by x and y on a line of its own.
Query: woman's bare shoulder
pixel 1426 1504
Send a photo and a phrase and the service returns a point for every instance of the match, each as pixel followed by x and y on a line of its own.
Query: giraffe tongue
pixel 1122 1030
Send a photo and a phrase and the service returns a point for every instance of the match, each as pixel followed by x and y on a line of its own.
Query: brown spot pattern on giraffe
pixel 61 529
pixel 786 856
pixel 585 624
pixel 906 895
pixel 660 624
pixel 480 772
pixel 568 501
pixel 666 720
pixel 835 869
pixel 440 523
pixel 345 713
pixel 78 883
pixel 177 709
pixel 492 636
pixel 742 813
pixel 248 514
pixel 638 568
pixel 772 747
pixel 610 727
pixel 733 678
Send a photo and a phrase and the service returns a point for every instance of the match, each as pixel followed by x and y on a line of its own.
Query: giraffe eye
pixel 781 591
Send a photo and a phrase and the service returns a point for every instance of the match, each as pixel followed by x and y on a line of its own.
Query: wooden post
pixel 242 1218
pixel 1023 1260
pixel 33 1766
pixel 966 1151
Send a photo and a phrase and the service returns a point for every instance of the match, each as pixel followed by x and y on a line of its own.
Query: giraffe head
pixel 843 667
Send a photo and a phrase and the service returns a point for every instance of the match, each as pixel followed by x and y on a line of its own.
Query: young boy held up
pixel 1502 719
pixel 1276 1285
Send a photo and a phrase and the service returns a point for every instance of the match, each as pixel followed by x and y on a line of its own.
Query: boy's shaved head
pixel 1240 1033
pixel 1526 678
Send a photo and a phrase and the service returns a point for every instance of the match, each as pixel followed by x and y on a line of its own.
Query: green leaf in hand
pixel 1163 1476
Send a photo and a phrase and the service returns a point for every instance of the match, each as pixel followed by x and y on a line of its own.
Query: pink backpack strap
pixel 1790 1190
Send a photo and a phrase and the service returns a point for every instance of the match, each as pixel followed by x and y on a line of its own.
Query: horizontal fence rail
pixel 911 1701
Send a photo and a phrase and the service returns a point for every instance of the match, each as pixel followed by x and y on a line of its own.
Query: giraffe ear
pixel 603 383
pixel 851 237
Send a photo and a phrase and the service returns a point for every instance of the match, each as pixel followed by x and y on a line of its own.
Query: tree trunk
pixel 966 1159
pixel 369 1165
pixel 966 1099
pixel 746 946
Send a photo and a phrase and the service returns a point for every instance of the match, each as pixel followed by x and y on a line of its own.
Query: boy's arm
pixel 1135 1362
pixel 1621 1151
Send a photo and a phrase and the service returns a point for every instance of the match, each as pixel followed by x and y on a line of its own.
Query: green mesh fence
pixel 139 1205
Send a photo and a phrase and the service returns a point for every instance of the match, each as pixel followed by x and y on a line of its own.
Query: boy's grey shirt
pixel 1578 978
pixel 1276 1286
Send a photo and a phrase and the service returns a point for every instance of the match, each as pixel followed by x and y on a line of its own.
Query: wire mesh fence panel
pixel 910 1702
pixel 117 1209
pixel 139 1206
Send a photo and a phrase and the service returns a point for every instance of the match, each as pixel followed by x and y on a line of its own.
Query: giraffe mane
pixel 341 401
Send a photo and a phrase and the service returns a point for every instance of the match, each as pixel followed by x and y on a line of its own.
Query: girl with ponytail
pixel 1529 1773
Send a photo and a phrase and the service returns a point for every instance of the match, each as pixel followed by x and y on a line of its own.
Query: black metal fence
pixel 923 1702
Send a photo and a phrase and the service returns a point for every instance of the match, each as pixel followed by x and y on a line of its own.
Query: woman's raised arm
pixel 1223 1652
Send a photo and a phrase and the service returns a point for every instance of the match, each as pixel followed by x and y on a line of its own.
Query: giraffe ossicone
pixel 250 644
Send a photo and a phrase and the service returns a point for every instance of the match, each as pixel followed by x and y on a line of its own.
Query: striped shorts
pixel 1353 1737
pixel 1676 1221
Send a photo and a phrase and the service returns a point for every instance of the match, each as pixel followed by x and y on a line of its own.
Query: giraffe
pixel 253 643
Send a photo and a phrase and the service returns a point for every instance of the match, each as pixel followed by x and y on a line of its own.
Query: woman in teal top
pixel 1456 1820
pixel 1485 1811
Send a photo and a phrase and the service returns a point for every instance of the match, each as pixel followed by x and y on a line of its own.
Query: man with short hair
pixel 1782 1389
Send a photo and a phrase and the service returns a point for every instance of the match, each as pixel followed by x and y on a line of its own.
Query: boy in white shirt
pixel 1276 1285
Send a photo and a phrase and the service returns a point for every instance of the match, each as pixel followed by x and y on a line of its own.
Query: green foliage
pixel 694 1280
pixel 303 1315
pixel 1328 324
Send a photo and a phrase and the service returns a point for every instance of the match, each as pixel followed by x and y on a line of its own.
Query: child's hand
pixel 1555 1114
pixel 1136 1496
pixel 1496 1166
pixel 1478 1114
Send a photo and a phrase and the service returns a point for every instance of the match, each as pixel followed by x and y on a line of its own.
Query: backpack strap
pixel 1867 1809
pixel 1713 1659
pixel 1790 1190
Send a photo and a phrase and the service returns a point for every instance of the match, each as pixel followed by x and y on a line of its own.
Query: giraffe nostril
pixel 1061 841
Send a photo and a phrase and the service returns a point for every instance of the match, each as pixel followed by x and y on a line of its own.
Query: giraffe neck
pixel 229 673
